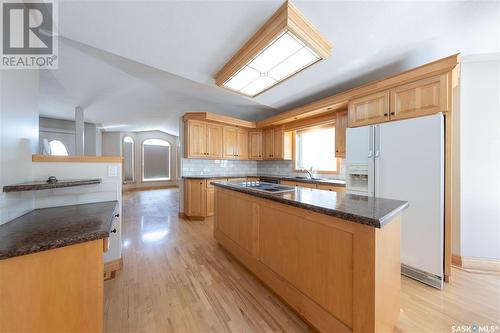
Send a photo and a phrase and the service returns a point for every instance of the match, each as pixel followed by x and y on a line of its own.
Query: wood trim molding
pixel 287 17
pixel 217 118
pixel 111 268
pixel 339 101
pixel 481 264
pixel 149 188
pixel 77 159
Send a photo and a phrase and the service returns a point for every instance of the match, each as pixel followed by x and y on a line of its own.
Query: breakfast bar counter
pixel 333 257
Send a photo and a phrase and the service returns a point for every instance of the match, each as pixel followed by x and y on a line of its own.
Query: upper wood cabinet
pixel 235 142
pixel 196 138
pixel 203 140
pixel 268 144
pixel 255 145
pixel 214 141
pixel 415 99
pixel 277 144
pixel 420 98
pixel 242 144
pixel 340 130
pixel 230 142
pixel 369 109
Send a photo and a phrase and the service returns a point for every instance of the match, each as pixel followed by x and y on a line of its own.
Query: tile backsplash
pixel 195 167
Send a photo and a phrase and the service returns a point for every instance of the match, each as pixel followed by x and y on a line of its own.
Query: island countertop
pixel 49 228
pixel 375 212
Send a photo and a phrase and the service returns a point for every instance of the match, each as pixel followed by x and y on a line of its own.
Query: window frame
pixel 169 179
pixel 133 160
pixel 294 151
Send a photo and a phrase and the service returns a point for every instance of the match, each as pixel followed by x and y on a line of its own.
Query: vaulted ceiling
pixel 139 65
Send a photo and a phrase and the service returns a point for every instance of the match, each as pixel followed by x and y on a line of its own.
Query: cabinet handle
pixel 117 215
pixel 113 231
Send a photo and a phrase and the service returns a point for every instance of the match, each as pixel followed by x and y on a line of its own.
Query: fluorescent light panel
pixel 282 58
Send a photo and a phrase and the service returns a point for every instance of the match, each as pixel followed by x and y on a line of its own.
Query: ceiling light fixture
pixel 285 45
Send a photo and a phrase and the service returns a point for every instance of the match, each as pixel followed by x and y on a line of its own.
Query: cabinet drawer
pixel 331 188
pixel 300 184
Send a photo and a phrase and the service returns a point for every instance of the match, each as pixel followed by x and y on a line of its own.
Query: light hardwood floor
pixel 177 279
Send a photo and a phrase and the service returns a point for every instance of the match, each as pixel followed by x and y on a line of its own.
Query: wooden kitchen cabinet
pixel 370 109
pixel 277 144
pixel 330 188
pixel 214 141
pixel 300 184
pixel 235 142
pixel 195 198
pixel 268 144
pixel 420 98
pixel 255 145
pixel 242 144
pixel 204 140
pixel 196 138
pixel 210 200
pixel 340 133
pixel 230 142
pixel 58 290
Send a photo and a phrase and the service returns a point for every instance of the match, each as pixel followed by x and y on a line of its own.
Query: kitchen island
pixel 333 257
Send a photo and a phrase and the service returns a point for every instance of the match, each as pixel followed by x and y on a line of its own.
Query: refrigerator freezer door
pixel 410 166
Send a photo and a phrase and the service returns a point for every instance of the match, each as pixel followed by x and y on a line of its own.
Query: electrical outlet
pixel 112 171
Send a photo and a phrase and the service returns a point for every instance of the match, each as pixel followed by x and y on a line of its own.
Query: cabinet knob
pixel 386 114
pixel 392 113
pixel 336 150
pixel 117 215
pixel 113 231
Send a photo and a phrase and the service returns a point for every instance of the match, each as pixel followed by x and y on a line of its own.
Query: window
pixel 128 160
pixel 156 156
pixel 315 148
pixel 58 148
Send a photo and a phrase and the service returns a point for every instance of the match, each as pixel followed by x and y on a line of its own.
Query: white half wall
pixel 18 138
pixel 480 157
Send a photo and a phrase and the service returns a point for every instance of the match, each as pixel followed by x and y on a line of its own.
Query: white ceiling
pixel 136 65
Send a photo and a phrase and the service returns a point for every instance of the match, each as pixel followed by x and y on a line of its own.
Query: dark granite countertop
pixel 50 228
pixel 43 185
pixel 371 211
pixel 332 182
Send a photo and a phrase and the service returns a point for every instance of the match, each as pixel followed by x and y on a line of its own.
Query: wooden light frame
pixel 286 18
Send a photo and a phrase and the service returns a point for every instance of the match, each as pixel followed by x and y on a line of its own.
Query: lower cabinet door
pixel 195 197
pixel 210 200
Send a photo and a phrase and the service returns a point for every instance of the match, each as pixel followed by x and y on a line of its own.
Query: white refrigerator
pixel 404 160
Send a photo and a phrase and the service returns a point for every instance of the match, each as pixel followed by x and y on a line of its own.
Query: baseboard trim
pixel 456 260
pixel 482 264
pixel 111 268
pixel 149 188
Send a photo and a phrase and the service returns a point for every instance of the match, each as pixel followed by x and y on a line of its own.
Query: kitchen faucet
pixel 310 173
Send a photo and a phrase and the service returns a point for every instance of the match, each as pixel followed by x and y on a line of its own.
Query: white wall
pixel 18 138
pixel 480 157
pixel 64 130
pixel 112 146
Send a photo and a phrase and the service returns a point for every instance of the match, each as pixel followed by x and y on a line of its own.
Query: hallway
pixel 176 278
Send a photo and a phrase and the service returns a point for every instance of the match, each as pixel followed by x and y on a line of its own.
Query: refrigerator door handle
pixel 377 141
pixel 370 142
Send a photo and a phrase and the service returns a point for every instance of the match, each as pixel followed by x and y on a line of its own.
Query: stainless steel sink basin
pixel 302 177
